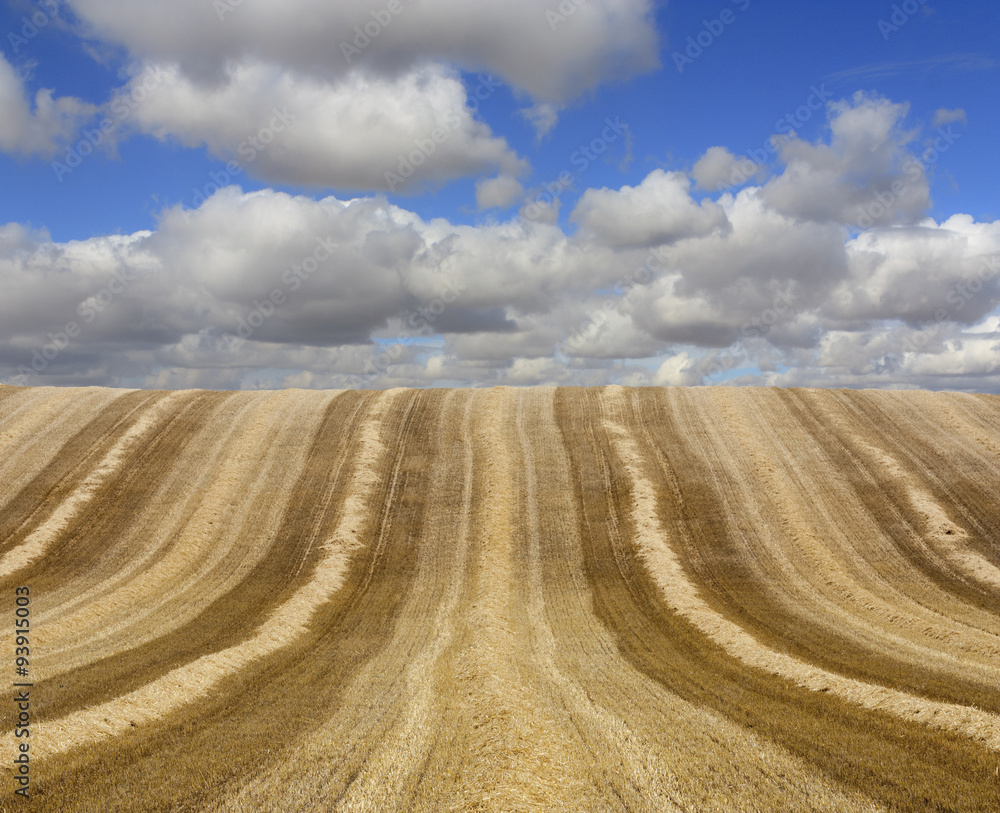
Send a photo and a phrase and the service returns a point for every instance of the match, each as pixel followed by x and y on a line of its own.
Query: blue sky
pixel 673 96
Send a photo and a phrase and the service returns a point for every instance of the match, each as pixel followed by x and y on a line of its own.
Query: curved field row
pixel 680 592
pixel 37 423
pixel 236 485
pixel 544 599
pixel 824 592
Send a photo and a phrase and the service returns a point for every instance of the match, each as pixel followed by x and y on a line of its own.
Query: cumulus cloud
pixel 602 40
pixel 718 169
pixel 714 169
pixel 864 176
pixel 374 93
pixel 915 273
pixel 38 128
pixel 676 371
pixel 654 287
pixel 265 279
pixel 500 192
pixel 658 211
pixel 355 132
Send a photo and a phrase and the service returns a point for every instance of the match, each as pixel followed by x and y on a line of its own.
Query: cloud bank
pixel 654 286
pixel 818 267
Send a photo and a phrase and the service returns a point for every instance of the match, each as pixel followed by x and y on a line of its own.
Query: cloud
pixel 944 62
pixel 266 279
pixel 714 169
pixel 658 211
pixel 865 176
pixel 500 192
pixel 344 95
pixel 272 289
pixel 944 116
pixel 357 132
pixel 37 129
pixel 676 371
pixel 603 40
pixel 913 273
pixel 542 116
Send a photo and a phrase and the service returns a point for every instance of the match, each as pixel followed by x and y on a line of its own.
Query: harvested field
pixel 709 599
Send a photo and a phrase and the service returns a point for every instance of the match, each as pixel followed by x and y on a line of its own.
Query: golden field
pixel 709 599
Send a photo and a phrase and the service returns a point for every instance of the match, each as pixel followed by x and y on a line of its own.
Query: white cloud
pixel 658 211
pixel 266 288
pixel 718 168
pixel 542 116
pixel 500 192
pixel 602 40
pixel 944 116
pixel 714 168
pixel 917 273
pixel 865 176
pixel 356 132
pixel 676 371
pixel 373 92
pixel 37 129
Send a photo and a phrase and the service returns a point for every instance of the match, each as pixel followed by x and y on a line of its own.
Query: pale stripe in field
pixel 37 424
pixel 478 702
pixel 35 545
pixel 152 525
pixel 521 757
pixel 409 742
pixel 244 500
pixel 547 612
pixel 646 769
pixel 821 553
pixel 944 537
pixel 188 683
pixel 682 596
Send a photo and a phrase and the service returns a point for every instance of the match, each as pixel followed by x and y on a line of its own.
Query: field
pixel 711 599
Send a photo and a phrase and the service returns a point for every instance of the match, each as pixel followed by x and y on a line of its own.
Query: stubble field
pixel 710 599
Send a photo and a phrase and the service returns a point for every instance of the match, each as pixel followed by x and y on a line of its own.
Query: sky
pixel 244 194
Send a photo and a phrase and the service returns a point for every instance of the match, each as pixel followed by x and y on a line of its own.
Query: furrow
pixel 873 759
pixel 252 471
pixel 186 684
pixel 795 556
pixel 684 598
pixel 39 540
pixel 36 424
pixel 46 484
pixel 946 468
pixel 369 694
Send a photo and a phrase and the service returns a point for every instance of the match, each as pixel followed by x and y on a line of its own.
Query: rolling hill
pixel 503 599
